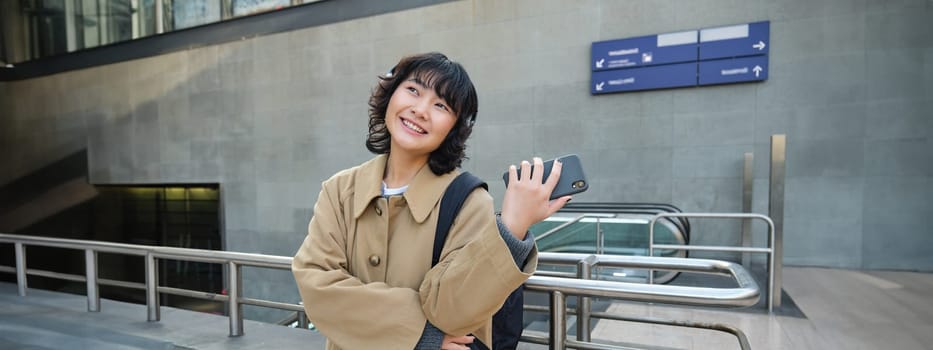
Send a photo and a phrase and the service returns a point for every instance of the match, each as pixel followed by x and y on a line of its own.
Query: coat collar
pixel 423 193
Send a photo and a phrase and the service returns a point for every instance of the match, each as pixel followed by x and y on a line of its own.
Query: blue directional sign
pixel 644 51
pixel 644 78
pixel 733 70
pixel 735 41
pixel 721 55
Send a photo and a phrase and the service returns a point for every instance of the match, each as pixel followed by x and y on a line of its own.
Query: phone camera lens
pixel 578 184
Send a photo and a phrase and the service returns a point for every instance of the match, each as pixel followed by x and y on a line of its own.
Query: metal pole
pixel 584 304
pixel 71 40
pixel 302 317
pixel 651 247
pixel 34 28
pixel 600 238
pixel 302 320
pixel 134 19
pixel 159 17
pixel 20 268
pixel 152 288
pixel 558 321
pixel 233 290
pixel 776 211
pixel 90 272
pixel 771 286
pixel 747 179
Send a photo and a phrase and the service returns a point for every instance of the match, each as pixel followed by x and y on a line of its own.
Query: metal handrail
pixel 233 260
pixel 774 289
pixel 746 294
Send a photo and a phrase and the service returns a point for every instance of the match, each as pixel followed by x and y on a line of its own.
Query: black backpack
pixel 507 322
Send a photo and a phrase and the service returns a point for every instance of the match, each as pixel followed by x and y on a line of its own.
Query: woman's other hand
pixel 456 343
pixel 526 200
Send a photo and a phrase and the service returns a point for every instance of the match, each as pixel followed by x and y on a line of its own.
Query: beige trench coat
pixel 364 270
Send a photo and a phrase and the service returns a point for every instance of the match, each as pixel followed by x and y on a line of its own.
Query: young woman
pixel 364 270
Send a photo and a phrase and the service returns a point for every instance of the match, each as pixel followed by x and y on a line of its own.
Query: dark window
pixel 186 216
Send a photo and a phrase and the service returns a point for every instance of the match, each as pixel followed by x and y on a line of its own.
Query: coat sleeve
pixel 476 271
pixel 351 314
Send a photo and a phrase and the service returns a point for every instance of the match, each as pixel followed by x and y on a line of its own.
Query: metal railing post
pixel 747 192
pixel 776 211
pixel 558 321
pixel 20 268
pixel 302 320
pixel 584 304
pixel 152 288
pixel 651 248
pixel 159 14
pixel 235 311
pixel 773 288
pixel 90 274
pixel 302 317
pixel 600 237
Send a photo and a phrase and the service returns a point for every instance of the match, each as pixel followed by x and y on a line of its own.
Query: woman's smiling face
pixel 417 118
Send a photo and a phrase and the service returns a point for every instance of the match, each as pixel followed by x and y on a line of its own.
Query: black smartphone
pixel 572 180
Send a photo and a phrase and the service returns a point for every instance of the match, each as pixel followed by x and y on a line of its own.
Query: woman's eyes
pixel 439 105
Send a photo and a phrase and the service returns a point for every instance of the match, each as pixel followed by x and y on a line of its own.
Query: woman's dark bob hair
pixel 451 82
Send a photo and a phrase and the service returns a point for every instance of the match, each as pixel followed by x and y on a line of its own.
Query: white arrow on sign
pixel 599 87
pixel 757 70
pixel 760 45
pixel 599 64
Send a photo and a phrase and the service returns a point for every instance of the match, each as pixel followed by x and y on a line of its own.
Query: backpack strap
pixel 454 196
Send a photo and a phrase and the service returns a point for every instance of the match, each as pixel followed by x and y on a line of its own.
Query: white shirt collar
pixel 386 191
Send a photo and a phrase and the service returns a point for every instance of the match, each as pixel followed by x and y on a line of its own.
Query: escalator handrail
pixel 617 205
pixel 680 224
pixel 563 225
pixel 671 207
pixel 599 205
pixel 682 236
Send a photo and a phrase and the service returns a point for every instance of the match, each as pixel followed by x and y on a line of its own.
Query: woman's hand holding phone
pixel 527 197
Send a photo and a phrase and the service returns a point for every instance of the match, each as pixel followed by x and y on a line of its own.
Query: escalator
pixel 614 229
pixel 604 228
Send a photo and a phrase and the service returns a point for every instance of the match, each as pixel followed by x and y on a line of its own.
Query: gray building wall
pixel 270 117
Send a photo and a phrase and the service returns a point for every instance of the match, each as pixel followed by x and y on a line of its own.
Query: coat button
pixel 378 211
pixel 374 260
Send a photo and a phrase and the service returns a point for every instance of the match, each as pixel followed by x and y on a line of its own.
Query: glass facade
pixel 191 13
pixel 249 7
pixel 33 29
